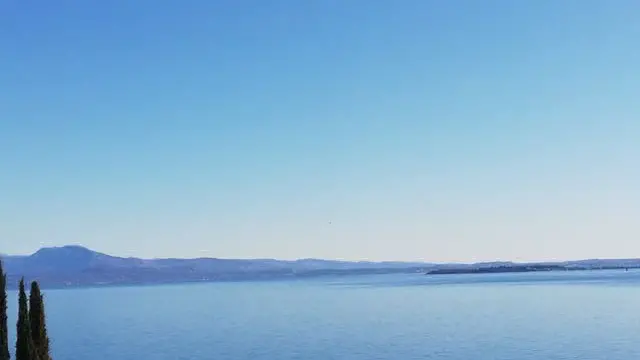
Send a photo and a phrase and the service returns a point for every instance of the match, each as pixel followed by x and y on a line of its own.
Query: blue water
pixel 586 315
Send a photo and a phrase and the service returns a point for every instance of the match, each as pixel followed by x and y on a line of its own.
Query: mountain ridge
pixel 75 265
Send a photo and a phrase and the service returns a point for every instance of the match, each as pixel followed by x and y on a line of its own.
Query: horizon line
pixel 425 262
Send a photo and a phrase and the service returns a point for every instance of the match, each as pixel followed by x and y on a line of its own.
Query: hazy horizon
pixel 417 130
pixel 334 259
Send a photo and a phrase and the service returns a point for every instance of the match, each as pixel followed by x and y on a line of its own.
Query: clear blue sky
pixel 361 129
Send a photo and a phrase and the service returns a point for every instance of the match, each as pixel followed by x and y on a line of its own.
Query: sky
pixel 364 129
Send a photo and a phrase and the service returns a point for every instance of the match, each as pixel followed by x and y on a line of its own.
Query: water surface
pixel 551 316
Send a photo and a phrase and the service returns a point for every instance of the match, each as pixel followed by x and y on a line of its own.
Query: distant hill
pixel 72 266
pixel 79 266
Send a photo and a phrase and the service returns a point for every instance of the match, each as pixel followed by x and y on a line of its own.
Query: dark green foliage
pixel 24 343
pixel 4 333
pixel 38 323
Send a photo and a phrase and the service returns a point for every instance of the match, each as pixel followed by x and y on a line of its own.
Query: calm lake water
pixel 578 315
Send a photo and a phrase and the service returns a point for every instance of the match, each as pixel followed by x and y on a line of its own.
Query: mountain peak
pixel 67 249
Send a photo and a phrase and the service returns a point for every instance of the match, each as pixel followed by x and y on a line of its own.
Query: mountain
pixel 79 266
pixel 66 259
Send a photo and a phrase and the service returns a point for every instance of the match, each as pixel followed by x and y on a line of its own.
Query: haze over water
pixel 551 316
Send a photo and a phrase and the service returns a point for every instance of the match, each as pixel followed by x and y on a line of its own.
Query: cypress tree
pixel 4 333
pixel 38 322
pixel 24 343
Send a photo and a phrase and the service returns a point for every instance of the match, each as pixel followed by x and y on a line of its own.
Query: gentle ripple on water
pixel 560 316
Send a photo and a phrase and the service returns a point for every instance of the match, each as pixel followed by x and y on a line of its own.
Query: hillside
pixel 79 266
pixel 72 266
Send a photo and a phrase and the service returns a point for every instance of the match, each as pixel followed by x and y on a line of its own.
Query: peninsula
pixel 519 269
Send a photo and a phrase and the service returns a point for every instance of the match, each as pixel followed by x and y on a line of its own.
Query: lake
pixel 574 315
